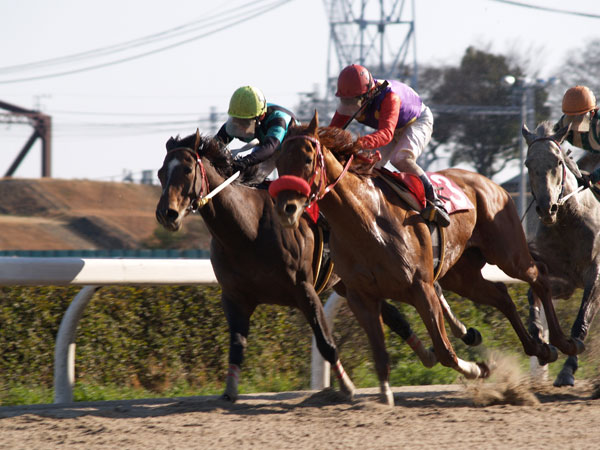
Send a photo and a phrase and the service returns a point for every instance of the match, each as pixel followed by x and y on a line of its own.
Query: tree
pixel 487 142
pixel 582 67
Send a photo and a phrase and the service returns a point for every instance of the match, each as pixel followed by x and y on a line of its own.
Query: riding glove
pixel 242 163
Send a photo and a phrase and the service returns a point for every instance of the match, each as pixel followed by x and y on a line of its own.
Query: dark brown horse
pixel 382 249
pixel 255 259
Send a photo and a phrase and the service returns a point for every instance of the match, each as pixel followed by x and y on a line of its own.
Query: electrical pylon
pixel 379 34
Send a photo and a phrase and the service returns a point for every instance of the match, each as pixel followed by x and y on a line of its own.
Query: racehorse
pixel 255 259
pixel 382 249
pixel 566 239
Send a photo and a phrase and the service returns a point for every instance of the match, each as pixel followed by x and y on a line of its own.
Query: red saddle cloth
pixel 447 190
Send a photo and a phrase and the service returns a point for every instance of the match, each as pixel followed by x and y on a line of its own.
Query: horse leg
pixel 426 302
pixel 535 274
pixel 471 336
pixel 560 289
pixel 239 326
pixel 398 323
pixel 312 308
pixel 590 303
pixel 466 280
pixel 368 315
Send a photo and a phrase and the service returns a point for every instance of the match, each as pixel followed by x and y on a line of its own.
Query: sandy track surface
pixel 423 417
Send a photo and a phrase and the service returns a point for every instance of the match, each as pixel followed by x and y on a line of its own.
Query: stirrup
pixel 435 212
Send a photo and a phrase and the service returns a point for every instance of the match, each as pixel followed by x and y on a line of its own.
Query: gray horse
pixel 567 238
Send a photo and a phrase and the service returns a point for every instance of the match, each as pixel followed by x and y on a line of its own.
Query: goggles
pixel 243 129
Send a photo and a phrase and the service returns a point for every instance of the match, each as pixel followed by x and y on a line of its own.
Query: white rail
pixel 94 273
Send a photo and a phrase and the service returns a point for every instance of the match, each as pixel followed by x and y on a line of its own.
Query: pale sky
pixel 96 114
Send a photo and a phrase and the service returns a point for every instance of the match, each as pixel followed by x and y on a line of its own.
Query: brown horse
pixel 382 249
pixel 255 259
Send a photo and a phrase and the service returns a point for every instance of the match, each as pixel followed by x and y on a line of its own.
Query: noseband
pixel 194 195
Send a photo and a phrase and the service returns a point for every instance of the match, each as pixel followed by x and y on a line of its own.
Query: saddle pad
pixel 448 191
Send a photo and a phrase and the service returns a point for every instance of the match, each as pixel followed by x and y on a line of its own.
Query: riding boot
pixel 434 211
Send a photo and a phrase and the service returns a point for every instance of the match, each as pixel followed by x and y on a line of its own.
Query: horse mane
pixel 217 152
pixel 544 129
pixel 338 141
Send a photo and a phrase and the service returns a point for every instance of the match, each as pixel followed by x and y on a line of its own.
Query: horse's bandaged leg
pixel 232 382
pixel 387 396
pixel 346 385
pixel 427 357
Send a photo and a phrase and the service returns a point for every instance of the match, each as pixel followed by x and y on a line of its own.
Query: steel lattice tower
pixel 379 34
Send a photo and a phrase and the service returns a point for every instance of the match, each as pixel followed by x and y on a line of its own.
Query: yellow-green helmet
pixel 247 102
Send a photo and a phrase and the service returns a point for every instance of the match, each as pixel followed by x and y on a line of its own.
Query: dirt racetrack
pixel 443 417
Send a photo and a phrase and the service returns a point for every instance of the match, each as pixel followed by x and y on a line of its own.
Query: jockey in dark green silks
pixel 251 117
pixel 581 111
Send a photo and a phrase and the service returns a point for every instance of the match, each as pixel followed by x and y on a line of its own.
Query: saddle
pixel 409 188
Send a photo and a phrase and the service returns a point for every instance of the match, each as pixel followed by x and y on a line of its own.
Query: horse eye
pixel 187 170
pixel 308 160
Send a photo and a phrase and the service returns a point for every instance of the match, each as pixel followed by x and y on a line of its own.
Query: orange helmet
pixel 578 100
pixel 353 81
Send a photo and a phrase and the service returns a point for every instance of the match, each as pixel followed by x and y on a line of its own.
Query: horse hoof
pixel 228 398
pixel 472 337
pixel 387 398
pixel 428 358
pixel 485 370
pixel 564 379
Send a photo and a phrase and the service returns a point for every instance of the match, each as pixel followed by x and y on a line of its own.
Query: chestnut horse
pixel 255 259
pixel 566 238
pixel 382 249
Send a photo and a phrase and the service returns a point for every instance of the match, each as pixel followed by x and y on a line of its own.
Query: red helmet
pixel 353 81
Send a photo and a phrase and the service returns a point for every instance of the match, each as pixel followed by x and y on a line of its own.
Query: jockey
pixel 250 118
pixel 581 111
pixel 403 122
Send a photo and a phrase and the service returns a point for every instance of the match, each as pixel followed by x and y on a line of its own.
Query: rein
pixel 319 171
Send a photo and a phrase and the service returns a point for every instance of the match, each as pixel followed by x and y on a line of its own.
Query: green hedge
pixel 156 338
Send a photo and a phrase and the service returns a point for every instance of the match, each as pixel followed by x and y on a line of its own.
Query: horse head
pixel 300 172
pixel 183 177
pixel 551 171
pixel 304 167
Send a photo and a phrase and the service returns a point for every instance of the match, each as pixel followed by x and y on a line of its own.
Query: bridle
pixel 318 178
pixel 561 197
pixel 195 195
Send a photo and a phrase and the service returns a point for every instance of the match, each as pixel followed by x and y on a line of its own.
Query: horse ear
pixel 314 123
pixel 197 143
pixel 561 134
pixel 170 143
pixel 528 135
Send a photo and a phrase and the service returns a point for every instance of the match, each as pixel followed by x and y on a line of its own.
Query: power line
pixel 151 52
pixel 544 8
pixel 102 51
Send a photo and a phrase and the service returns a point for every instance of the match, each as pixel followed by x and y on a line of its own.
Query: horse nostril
pixel 172 214
pixel 290 209
pixel 553 209
pixel 538 210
